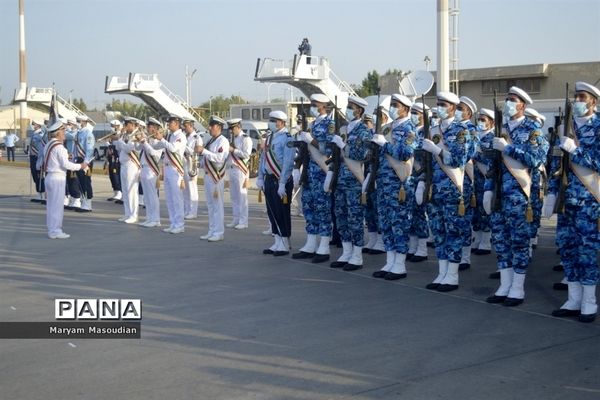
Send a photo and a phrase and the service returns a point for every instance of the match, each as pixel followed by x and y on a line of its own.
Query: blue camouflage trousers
pixel 448 228
pixel 537 200
pixel 316 203
pixel 371 212
pixel 511 232
pixel 419 226
pixel 578 239
pixel 469 211
pixel 394 216
pixel 349 213
pixel 481 221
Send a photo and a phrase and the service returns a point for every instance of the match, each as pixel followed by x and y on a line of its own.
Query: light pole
pixel 427 62
pixel 269 91
pixel 70 97
pixel 188 85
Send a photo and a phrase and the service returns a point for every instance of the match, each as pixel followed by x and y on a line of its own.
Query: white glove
pixel 306 137
pixel 260 184
pixel 499 144
pixel 431 147
pixel 379 140
pixel 296 177
pixel 487 201
pixel 420 192
pixel 281 190
pixel 365 183
pixel 327 182
pixel 568 145
pixel 548 207
pixel 339 142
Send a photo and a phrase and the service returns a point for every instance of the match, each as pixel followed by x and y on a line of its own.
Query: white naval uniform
pixel 148 180
pixel 239 194
pixel 175 142
pixel 217 152
pixel 190 193
pixel 130 176
pixel 57 166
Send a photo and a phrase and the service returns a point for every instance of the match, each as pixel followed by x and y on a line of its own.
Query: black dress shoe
pixel 352 267
pixel 409 256
pixel 391 276
pixel 335 243
pixel 495 299
pixel 268 251
pixel 373 251
pixel 68 208
pixel 558 268
pixel 416 259
pixel 379 274
pixel 43 202
pixel 319 258
pixel 302 254
pixel 587 318
pixel 432 286
pixel 118 201
pixel 338 264
pixel 35 200
pixel 463 266
pixel 512 302
pixel 561 312
pixel 280 253
pixel 110 199
pixel 446 288
pixel 494 275
pixel 560 286
pixel 365 250
pixel 480 252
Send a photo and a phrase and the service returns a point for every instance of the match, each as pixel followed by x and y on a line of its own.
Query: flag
pixel 53 117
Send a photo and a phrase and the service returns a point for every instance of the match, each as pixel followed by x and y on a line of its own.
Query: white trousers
pixel 55 196
pixel 148 181
pixel 239 196
pixel 130 176
pixel 174 197
pixel 214 201
pixel 190 196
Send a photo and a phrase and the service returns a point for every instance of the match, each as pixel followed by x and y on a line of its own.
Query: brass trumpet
pixel 106 137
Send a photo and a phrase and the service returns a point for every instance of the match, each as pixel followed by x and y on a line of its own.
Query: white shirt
pixel 243 148
pixel 216 152
pixel 58 160
pixel 176 144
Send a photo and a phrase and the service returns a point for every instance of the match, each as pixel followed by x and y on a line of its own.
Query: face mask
pixel 393 113
pixel 314 112
pixel 481 125
pixel 349 114
pixel 443 112
pixel 458 115
pixel 510 108
pixel 414 118
pixel 272 126
pixel 580 108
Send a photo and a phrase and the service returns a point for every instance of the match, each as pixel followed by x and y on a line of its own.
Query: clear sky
pixel 76 43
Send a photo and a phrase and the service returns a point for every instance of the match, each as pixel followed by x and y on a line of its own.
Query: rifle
pixel 427 159
pixel 336 155
pixel 564 168
pixel 303 157
pixel 550 153
pixel 374 151
pixel 497 157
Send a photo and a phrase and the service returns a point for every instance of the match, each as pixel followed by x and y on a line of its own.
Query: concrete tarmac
pixel 221 321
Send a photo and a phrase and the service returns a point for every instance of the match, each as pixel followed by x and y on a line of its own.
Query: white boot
pixel 486 242
pixel 575 296
pixel 276 243
pixel 281 248
pixel 356 260
pixel 346 254
pixel 141 200
pixel 372 240
pixel 506 278
pixel 379 246
pixel 476 239
pixel 588 303
pixel 398 270
pixel 285 241
pixel 465 259
pixel 77 203
pixel 517 288
pixel 89 204
pixel 534 241
pixel 311 244
pixel 118 195
pixel 66 201
pixel 389 264
pixel 86 204
pixel 71 201
pixel 450 281
pixel 412 244
pixel 442 271
pixel 421 250
pixel 324 245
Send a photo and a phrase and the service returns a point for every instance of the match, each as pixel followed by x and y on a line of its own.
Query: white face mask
pixel 510 108
pixel 414 118
pixel 481 125
pixel 314 111
pixel 443 112
pixel 458 115
pixel 580 108
pixel 394 113
pixel 272 126
pixel 349 114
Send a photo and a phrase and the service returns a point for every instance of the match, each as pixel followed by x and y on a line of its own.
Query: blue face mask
pixel 510 108
pixel 393 113
pixel 272 126
pixel 458 115
pixel 580 108
pixel 314 111
pixel 442 112
pixel 481 126
pixel 414 118
pixel 349 114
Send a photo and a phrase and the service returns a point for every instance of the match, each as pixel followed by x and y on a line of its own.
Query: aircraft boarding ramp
pixel 43 96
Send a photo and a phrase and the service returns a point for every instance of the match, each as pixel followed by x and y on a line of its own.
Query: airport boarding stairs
pixel 43 97
pixel 309 74
pixel 155 94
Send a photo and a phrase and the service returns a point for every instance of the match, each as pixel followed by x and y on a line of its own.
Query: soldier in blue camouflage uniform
pixel 511 224
pixel 481 219
pixel 73 185
pixel 395 194
pixel 349 212
pixel 36 145
pixel 419 229
pixel 578 233
pixel 450 149
pixel 316 203
pixel 464 113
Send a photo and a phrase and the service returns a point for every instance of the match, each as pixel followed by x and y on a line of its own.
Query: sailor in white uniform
pixel 240 150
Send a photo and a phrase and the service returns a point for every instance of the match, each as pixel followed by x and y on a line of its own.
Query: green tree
pixel 369 85
pixel 130 109
pixel 79 103
pixel 219 105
